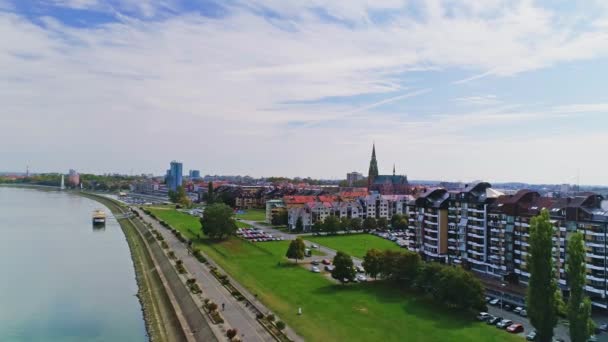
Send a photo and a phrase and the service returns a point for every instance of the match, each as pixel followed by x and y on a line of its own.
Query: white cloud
pixel 223 91
pixel 482 100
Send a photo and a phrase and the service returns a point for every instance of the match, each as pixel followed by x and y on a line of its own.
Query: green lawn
pixel 253 215
pixel 332 312
pixel 354 244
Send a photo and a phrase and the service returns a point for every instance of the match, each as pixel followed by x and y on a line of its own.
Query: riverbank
pixel 161 320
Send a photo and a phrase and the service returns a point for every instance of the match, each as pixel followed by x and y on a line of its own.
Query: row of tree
pixel 544 298
pixel 333 224
pixel 452 286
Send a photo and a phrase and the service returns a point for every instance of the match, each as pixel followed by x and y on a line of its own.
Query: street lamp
pixel 502 294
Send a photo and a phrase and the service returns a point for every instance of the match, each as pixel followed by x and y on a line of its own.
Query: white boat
pixel 99 217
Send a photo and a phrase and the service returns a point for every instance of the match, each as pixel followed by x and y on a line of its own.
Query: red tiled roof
pixel 298 199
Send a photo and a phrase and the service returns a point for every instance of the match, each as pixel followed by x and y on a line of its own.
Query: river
pixel 60 279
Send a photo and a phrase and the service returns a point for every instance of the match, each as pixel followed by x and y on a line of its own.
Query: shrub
pixel 190 281
pixel 216 317
pixel 171 254
pixel 231 333
pixel 164 245
pixel 280 325
pixel 179 262
pixel 270 317
pixel 259 316
pixel 211 306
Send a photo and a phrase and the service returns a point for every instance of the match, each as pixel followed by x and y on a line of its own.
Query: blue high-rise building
pixel 195 174
pixel 174 175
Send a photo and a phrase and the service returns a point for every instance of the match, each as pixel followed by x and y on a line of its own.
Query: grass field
pixel 253 215
pixel 354 244
pixel 332 312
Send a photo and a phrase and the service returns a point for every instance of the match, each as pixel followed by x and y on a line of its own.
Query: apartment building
pixel 430 224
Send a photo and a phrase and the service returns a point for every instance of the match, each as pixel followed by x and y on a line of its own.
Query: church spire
pixel 373 168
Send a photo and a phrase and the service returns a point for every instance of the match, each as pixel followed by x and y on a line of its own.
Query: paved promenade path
pixel 236 314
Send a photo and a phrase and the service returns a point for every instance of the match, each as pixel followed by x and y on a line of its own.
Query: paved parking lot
pixel 561 330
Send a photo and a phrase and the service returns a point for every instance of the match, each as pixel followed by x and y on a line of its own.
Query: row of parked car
pixel 500 323
pixel 400 237
pixel 315 268
pixel 256 235
pixel 507 306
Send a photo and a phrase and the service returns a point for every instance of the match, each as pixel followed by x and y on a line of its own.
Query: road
pixel 236 314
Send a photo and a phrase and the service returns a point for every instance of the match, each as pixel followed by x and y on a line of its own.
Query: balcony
pixel 596 267
pixel 477 228
pixel 473 235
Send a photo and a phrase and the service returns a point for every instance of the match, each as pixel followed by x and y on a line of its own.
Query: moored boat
pixel 99 217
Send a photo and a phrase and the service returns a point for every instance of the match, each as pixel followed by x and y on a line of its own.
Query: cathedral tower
pixel 373 168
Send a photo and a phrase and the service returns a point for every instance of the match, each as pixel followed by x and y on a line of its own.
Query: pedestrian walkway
pixel 235 313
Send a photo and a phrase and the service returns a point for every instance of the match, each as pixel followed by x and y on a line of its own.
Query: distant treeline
pixel 89 181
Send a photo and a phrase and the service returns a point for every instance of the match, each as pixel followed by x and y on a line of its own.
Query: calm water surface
pixel 60 280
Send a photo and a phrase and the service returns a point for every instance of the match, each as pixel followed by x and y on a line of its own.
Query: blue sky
pixel 448 89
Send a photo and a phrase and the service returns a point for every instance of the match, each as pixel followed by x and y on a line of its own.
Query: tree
pixel 331 225
pixel 345 224
pixel 400 266
pixel 372 262
pixel 382 223
pixel 578 311
pixel 218 221
pixel 179 196
pixel 459 289
pixel 210 195
pixel 369 224
pixel 299 224
pixel 394 219
pixel 356 223
pixel 540 298
pixel 317 227
pixel 279 218
pixel 401 224
pixel 343 267
pixel 428 277
pixel 296 249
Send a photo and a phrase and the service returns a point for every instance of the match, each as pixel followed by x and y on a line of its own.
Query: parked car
pixel 515 328
pixel 494 320
pixel 329 268
pixel 523 313
pixel 507 307
pixel 360 278
pixel 326 262
pixel 495 302
pixel 315 269
pixel 315 262
pixel 314 246
pixel 603 327
pixel 505 323
pixel 531 336
pixel 489 299
pixel 592 338
pixel 518 309
pixel 483 316
pixel 360 269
